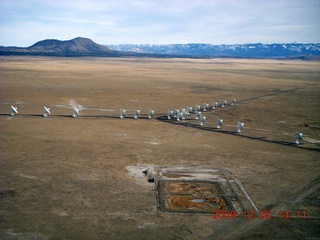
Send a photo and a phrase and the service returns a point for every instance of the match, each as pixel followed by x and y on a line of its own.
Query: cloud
pixel 23 23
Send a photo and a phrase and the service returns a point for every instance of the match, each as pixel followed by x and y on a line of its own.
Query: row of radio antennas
pixel 76 112
pixel 215 105
pixel 46 111
pixel 182 113
pixel 199 116
pixel 136 113
pixel 178 114
pixel 219 123
pixel 223 103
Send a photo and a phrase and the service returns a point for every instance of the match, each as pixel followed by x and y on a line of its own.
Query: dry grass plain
pixel 65 178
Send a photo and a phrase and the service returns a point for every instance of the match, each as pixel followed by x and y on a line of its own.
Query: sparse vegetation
pixel 64 178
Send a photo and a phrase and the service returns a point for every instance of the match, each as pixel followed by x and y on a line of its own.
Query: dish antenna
pixel 136 114
pixel 122 113
pixel 150 113
pixel 46 111
pixel 177 114
pixel 233 101
pixel 196 108
pixel 76 112
pixel 202 120
pixel 170 114
pixel 189 109
pixel 219 123
pixel 14 110
pixel 198 114
pixel 297 137
pixel 205 107
pixel 240 126
pixel 224 103
pixel 183 113
pixel 214 105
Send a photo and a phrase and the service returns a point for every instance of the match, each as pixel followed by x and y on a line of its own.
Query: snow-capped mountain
pixel 86 47
pixel 257 50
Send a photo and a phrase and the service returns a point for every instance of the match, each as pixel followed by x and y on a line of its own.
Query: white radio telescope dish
pixel 240 126
pixel 183 113
pixel 14 110
pixel 198 114
pixel 177 114
pixel 297 137
pixel 150 113
pixel 76 112
pixel 219 123
pixel 233 101
pixel 76 108
pixel 189 109
pixel 205 107
pixel 122 113
pixel 136 114
pixel 224 103
pixel 214 105
pixel 196 108
pixel 46 111
pixel 202 120
pixel 170 114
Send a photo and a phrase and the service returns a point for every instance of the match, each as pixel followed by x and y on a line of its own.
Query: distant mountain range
pixel 81 47
pixel 71 48
pixel 258 50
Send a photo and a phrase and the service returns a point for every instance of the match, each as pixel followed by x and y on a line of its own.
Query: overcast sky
pixel 24 22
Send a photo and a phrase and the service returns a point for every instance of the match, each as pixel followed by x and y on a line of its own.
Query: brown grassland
pixel 66 178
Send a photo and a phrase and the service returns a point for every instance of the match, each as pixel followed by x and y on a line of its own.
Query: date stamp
pixel 262 214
